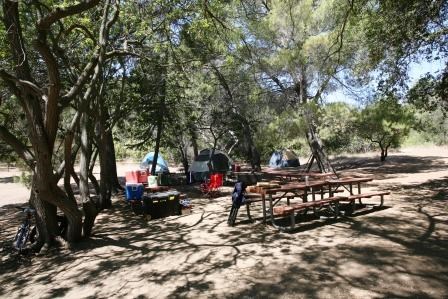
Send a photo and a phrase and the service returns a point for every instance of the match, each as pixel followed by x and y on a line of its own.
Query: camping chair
pixel 211 186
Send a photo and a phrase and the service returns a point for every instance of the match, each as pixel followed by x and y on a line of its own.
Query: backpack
pixel 238 194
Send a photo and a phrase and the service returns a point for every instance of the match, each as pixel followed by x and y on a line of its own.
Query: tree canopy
pixel 78 78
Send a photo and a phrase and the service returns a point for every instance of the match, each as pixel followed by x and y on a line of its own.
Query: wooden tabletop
pixel 349 180
pixel 297 173
pixel 296 187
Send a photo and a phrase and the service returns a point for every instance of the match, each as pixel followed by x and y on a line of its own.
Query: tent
pixel 199 168
pixel 284 158
pixel 161 165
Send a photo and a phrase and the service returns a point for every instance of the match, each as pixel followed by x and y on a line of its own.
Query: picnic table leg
pixel 271 209
pixel 248 212
pixel 263 203
pixel 293 220
pixel 336 209
pixel 359 192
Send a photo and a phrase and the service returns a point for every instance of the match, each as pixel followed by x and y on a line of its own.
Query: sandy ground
pixel 400 251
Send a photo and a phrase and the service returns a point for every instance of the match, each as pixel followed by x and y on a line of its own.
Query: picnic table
pixel 300 190
pixel 289 174
pixel 272 194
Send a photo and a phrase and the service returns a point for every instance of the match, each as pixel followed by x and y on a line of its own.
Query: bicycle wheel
pixel 21 237
pixel 34 235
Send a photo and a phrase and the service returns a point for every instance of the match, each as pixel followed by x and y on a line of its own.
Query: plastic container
pixel 152 181
pixel 142 176
pixel 132 177
pixel 134 191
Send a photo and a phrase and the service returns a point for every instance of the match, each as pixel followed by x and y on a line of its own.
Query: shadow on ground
pixel 396 252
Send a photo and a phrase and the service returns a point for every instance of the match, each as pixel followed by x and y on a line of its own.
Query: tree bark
pixel 92 177
pixel 89 208
pixel 162 110
pixel 194 141
pixel 112 162
pixel 183 154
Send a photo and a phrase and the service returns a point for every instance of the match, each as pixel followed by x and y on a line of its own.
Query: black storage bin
pixel 162 204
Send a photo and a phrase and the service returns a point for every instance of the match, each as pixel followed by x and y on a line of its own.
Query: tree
pixel 46 76
pixel 392 34
pixel 300 48
pixel 336 123
pixel 385 123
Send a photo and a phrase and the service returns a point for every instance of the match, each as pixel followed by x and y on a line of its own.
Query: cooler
pixel 132 177
pixel 134 191
pixel 142 176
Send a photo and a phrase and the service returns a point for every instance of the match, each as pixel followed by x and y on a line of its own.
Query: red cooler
pixel 132 177
pixel 142 177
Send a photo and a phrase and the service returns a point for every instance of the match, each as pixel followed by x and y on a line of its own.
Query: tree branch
pixel 21 150
pixel 60 13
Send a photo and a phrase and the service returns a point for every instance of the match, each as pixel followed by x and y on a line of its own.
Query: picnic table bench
pixel 348 184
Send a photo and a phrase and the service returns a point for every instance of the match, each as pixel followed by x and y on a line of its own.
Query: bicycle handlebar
pixel 26 209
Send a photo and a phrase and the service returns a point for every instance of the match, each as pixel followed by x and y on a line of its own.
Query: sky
pixel 416 71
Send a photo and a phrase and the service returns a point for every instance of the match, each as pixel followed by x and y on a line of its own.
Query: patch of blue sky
pixel 358 97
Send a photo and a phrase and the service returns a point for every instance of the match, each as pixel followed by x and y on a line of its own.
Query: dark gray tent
pixel 220 163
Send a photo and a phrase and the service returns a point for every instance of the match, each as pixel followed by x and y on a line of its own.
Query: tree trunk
pixel 68 166
pixel 157 147
pixel 46 220
pixel 92 177
pixel 88 207
pixel 194 142
pixel 105 179
pixel 210 165
pixel 162 110
pixel 316 146
pixel 252 152
pixel 183 154
pixel 112 162
pixel 383 152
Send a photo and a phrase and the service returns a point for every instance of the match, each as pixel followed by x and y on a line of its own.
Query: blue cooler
pixel 134 191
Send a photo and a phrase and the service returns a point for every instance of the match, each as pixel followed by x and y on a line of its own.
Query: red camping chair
pixel 211 186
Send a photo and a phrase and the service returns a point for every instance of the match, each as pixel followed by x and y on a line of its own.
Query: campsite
pixel 223 149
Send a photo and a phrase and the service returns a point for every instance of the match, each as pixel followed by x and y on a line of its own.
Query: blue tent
pixel 161 166
pixel 284 158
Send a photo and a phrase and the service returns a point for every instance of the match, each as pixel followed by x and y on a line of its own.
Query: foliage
pixel 337 127
pixel 385 123
pixel 394 33
pixel 430 93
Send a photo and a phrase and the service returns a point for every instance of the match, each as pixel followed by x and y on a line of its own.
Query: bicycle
pixel 27 230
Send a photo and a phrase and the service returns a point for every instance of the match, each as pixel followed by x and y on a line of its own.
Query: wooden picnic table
pixel 295 173
pixel 292 190
pixel 299 189
pixel 273 193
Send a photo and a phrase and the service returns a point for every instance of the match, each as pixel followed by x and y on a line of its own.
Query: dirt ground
pixel 400 251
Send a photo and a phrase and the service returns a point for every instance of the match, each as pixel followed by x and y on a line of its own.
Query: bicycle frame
pixel 24 231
